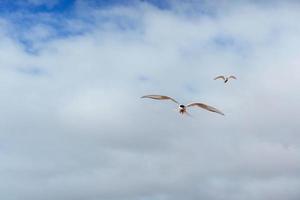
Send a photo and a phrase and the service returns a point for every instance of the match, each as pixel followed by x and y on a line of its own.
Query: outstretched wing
pixel 206 107
pixel 233 77
pixel 218 77
pixel 159 97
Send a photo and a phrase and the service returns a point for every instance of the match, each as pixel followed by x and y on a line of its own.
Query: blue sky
pixel 73 125
pixel 63 6
pixel 23 15
pixel 58 7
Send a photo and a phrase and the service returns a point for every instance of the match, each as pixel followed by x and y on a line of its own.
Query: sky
pixel 73 125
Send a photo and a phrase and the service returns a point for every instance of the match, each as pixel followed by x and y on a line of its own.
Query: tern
pixel 225 78
pixel 183 108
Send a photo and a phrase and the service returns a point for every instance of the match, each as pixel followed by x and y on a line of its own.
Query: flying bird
pixel 183 108
pixel 225 78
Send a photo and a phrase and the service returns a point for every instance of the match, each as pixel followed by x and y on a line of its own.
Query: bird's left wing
pixel 218 77
pixel 232 77
pixel 206 107
pixel 159 97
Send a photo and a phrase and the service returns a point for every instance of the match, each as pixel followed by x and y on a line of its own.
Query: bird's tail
pixel 188 114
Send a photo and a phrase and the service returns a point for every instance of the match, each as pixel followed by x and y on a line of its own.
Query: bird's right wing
pixel 206 107
pixel 218 77
pixel 232 77
pixel 159 97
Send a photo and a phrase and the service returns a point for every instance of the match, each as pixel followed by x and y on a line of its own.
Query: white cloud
pixel 80 131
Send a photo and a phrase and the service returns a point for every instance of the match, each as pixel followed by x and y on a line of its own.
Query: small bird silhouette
pixel 225 78
pixel 183 108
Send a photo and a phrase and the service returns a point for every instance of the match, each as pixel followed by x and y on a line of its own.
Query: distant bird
pixel 182 108
pixel 225 78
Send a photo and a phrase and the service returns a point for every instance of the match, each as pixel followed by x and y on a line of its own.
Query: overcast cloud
pixel 73 126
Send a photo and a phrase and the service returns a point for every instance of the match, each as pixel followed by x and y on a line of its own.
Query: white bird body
pixel 183 108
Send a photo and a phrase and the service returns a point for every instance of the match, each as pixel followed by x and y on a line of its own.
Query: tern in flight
pixel 183 108
pixel 225 78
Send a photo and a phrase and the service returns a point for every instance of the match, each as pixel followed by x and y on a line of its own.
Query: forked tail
pixel 188 114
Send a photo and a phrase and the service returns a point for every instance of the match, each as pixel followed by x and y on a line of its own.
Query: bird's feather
pixel 159 97
pixel 206 107
pixel 218 77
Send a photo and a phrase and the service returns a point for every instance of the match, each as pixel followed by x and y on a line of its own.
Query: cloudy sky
pixel 73 126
